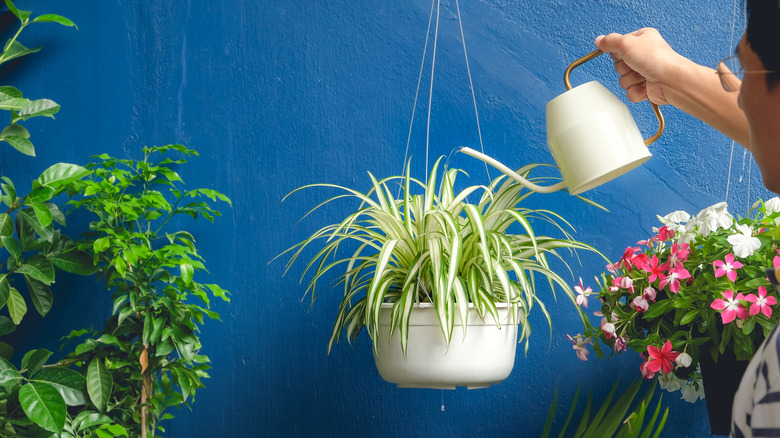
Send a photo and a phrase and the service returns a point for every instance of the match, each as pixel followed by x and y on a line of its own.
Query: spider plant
pixel 429 244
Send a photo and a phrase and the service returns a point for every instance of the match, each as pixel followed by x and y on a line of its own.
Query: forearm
pixel 696 90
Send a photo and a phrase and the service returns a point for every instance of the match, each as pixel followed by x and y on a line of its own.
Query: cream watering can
pixel 591 135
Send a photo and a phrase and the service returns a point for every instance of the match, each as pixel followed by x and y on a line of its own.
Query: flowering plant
pixel 699 287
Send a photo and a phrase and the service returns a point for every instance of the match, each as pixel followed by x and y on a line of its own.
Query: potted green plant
pixel 146 358
pixel 695 299
pixel 121 380
pixel 429 260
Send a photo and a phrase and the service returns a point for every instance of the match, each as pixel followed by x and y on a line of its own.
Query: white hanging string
pixel 417 92
pixel 437 5
pixel 471 85
pixel 430 91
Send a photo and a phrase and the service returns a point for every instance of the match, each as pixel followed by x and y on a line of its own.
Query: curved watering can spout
pixel 512 174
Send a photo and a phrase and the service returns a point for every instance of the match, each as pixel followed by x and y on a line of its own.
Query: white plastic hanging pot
pixel 486 355
pixel 591 135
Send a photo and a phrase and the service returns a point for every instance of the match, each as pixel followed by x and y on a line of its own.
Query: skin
pixel 650 69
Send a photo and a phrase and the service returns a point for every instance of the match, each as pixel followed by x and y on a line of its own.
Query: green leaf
pixel 6 351
pixel 40 294
pixel 99 383
pixel 34 360
pixel 54 18
pixel 39 107
pixel 39 268
pixel 86 419
pixel 6 325
pixel 5 291
pixel 21 144
pixel 42 213
pixel 12 246
pixel 187 273
pixel 44 405
pixel 10 379
pixel 62 174
pixel 14 129
pixel 75 262
pixel 70 384
pixel 16 306
pixel 12 8
pixel 6 225
pixel 17 50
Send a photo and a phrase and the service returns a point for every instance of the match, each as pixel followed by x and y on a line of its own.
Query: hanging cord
pixel 417 92
pixel 430 90
pixel 471 85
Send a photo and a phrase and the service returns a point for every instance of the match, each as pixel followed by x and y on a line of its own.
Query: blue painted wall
pixel 277 94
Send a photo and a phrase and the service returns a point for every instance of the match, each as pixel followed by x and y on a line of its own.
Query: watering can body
pixel 593 137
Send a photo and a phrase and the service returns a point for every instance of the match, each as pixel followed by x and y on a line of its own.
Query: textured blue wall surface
pixel 277 94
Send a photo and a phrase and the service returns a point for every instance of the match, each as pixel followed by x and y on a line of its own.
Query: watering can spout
pixel 512 174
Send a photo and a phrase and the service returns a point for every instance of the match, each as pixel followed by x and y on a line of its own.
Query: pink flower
pixel 640 304
pixel 727 267
pixel 624 283
pixel 673 279
pixel 665 233
pixel 646 373
pixel 620 344
pixel 579 346
pixel 678 254
pixel 582 294
pixel 654 269
pixel 608 328
pixel 730 306
pixel 661 359
pixel 628 255
pixel 649 293
pixel 761 303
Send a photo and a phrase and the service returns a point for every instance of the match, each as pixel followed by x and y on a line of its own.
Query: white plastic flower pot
pixel 485 356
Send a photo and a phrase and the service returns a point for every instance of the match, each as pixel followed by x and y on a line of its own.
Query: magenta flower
pixel 628 259
pixel 662 359
pixel 654 269
pixel 730 306
pixel 674 277
pixel 727 267
pixel 678 254
pixel 761 303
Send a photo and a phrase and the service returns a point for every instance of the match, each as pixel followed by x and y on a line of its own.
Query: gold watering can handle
pixel 656 110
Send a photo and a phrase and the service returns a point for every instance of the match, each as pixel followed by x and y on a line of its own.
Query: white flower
pixel 675 218
pixel 691 394
pixel 772 205
pixel 683 360
pixel 744 243
pixel 712 218
pixel 670 382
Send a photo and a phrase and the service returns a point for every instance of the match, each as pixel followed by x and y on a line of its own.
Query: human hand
pixel 644 61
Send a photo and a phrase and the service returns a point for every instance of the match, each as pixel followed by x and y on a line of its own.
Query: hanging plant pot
pixel 486 355
pixel 721 380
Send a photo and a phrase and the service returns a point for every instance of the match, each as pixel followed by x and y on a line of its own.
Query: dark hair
pixel 763 35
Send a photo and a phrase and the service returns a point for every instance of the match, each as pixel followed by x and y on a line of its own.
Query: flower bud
pixel 683 360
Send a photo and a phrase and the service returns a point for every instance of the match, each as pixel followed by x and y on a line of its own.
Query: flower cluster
pixel 698 286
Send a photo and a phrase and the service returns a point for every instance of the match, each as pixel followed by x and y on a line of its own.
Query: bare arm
pixel 650 69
